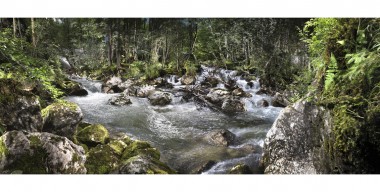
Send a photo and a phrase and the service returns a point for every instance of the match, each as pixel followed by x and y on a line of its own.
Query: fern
pixel 330 72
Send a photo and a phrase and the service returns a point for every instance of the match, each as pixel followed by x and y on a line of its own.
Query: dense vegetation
pixel 332 62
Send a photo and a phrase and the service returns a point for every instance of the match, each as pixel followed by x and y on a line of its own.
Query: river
pixel 178 129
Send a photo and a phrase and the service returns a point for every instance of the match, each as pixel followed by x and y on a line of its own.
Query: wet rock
pixel 142 164
pixel 160 98
pixel 240 169
pixel 62 118
pixel 140 148
pixel 162 83
pixel 113 85
pixel 72 88
pixel 210 81
pixel 92 135
pixel 240 93
pixel 120 100
pixel 297 140
pixel 188 80
pixel 251 84
pixel 217 96
pixel 145 91
pixel 262 91
pixel 233 106
pixel 40 153
pixel 20 110
pixel 279 100
pixel 221 137
pixel 263 103
pixel 102 160
pixel 203 167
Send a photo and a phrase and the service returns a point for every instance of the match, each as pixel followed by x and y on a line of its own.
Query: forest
pixel 189 95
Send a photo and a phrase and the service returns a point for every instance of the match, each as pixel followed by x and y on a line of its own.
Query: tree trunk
pixel 33 33
pixel 14 27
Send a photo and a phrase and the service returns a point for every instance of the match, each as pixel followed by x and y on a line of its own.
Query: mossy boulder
pixel 240 169
pixel 92 135
pixel 72 88
pixel 40 153
pixel 102 159
pixel 233 106
pixel 118 146
pixel 140 148
pixel 20 109
pixel 62 118
pixel 142 164
pixel 188 80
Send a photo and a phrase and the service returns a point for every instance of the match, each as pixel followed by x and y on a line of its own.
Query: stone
pixel 102 160
pixel 220 137
pixel 233 106
pixel 279 100
pixel 188 80
pixel 240 93
pixel 140 148
pixel 263 103
pixel 72 88
pixel 297 140
pixel 162 83
pixel 217 96
pixel 92 135
pixel 145 91
pixel 40 153
pixel 262 91
pixel 203 167
pixel 113 85
pixel 62 118
pixel 240 169
pixel 160 98
pixel 141 164
pixel 20 110
pixel 120 100
pixel 210 81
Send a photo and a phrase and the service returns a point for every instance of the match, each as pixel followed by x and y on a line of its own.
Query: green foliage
pixel 191 68
pixel 345 61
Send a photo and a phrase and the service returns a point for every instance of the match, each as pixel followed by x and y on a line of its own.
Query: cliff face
pixel 300 141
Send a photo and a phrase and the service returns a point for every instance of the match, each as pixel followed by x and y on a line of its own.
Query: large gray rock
pixel 188 80
pixel 40 153
pixel 145 91
pixel 217 96
pixel 20 110
pixel 142 164
pixel 62 118
pixel 160 98
pixel 279 100
pixel 120 100
pixel 297 141
pixel 113 85
pixel 220 137
pixel 233 106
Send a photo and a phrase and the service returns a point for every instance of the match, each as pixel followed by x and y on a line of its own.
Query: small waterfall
pixel 90 86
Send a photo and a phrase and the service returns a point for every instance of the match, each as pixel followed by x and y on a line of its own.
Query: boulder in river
pixel 140 148
pixel 162 83
pixel 279 100
pixel 102 159
pixel 40 153
pixel 72 88
pixel 120 100
pixel 240 169
pixel 145 91
pixel 240 93
pixel 210 81
pixel 263 103
pixel 188 80
pixel 20 110
pixel 220 137
pixel 297 141
pixel 142 164
pixel 160 98
pixel 113 85
pixel 233 106
pixel 92 135
pixel 217 96
pixel 203 167
pixel 62 118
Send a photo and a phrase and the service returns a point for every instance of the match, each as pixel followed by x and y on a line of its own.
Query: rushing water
pixel 178 129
